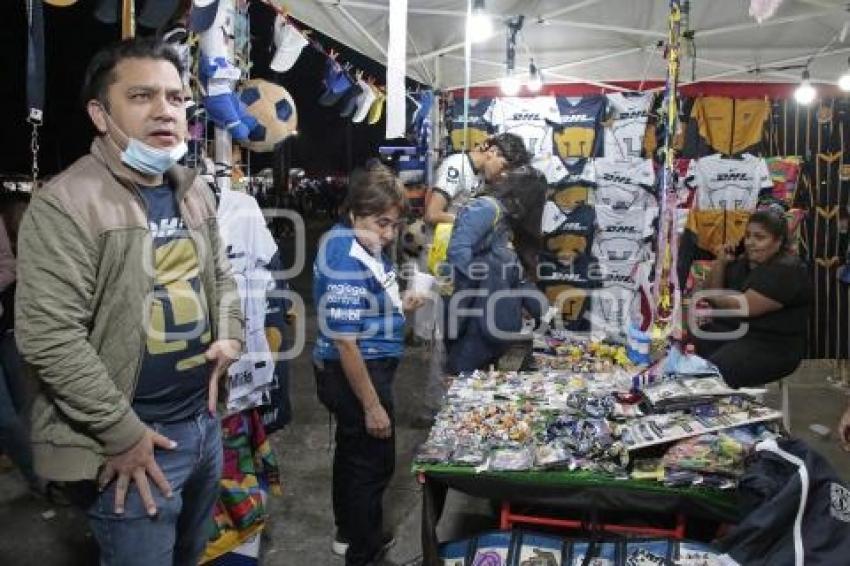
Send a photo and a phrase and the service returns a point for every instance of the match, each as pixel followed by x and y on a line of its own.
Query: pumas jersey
pixel 568 287
pixel 568 234
pixel 551 166
pixel 622 237
pixel 457 179
pixel 613 305
pixel 576 188
pixel 479 128
pixel 624 185
pixel 528 118
pixel 629 115
pixel 729 184
pixel 577 134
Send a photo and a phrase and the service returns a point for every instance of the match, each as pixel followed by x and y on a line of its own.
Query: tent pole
pixel 467 50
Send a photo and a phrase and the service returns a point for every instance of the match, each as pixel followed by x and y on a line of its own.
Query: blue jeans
pixel 178 534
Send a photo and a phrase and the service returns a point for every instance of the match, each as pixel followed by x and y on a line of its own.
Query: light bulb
pixel 805 93
pixel 479 27
pixel 844 81
pixel 535 78
pixel 510 84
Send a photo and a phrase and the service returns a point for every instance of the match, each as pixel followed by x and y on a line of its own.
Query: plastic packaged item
pixel 469 454
pixel 553 455
pixel 433 453
pixel 511 459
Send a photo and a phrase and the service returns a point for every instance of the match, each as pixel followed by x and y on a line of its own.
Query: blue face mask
pixel 145 159
pixel 151 160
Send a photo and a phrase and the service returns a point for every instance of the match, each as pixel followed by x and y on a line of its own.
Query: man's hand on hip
pixel 221 353
pixel 137 463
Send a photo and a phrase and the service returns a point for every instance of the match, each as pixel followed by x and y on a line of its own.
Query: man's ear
pixel 97 114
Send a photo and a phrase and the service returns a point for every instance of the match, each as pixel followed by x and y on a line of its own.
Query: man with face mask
pixel 127 316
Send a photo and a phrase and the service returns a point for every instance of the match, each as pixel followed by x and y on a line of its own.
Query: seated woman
pixel 492 239
pixel 772 287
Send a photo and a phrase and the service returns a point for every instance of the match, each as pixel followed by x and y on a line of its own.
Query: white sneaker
pixel 339 546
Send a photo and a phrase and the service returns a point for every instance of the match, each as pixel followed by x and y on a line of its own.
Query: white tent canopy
pixel 597 41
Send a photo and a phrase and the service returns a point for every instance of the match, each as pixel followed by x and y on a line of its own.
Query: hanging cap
pixel 156 13
pixel 202 14
pixel 289 42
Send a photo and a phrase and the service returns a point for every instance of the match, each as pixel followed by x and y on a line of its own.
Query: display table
pixel 580 491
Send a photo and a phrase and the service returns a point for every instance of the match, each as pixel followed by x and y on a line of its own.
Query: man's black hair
pixel 512 148
pixel 100 73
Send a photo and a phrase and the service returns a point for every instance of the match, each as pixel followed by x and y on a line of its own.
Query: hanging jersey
pixel 576 188
pixel 550 166
pixel 568 234
pixel 784 172
pixel 457 180
pixel 613 306
pixel 568 287
pixel 628 113
pixel 479 128
pixel 624 185
pixel 714 228
pixel 730 125
pixel 577 134
pixel 528 118
pixel 625 239
pixel 730 184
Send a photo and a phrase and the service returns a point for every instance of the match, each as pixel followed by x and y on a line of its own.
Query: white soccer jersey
pixel 612 307
pixel 457 179
pixel 527 118
pixel 624 185
pixel 629 116
pixel 729 184
pixel 551 166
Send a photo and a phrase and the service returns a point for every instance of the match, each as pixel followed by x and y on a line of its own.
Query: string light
pixel 480 26
pixel 510 84
pixel 805 93
pixel 844 80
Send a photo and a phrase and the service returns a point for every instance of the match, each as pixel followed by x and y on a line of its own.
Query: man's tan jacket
pixel 85 274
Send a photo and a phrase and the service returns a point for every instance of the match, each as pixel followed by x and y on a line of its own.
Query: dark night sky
pixel 73 35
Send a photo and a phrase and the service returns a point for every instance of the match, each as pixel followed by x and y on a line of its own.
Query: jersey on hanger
pixel 629 113
pixel 551 166
pixel 569 286
pixel 577 134
pixel 568 234
pixel 613 305
pixel 730 184
pixel 576 188
pixel 528 118
pixel 730 125
pixel 624 185
pixel 479 128
pixel 457 179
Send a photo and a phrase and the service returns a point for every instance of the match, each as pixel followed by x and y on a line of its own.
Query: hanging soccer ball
pixel 414 238
pixel 274 110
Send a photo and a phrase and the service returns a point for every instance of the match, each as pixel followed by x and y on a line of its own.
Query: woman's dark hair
pixel 373 190
pixel 512 148
pixel 522 191
pixel 100 73
pixel 774 223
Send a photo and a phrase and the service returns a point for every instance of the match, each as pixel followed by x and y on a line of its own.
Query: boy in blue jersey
pixel 360 341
